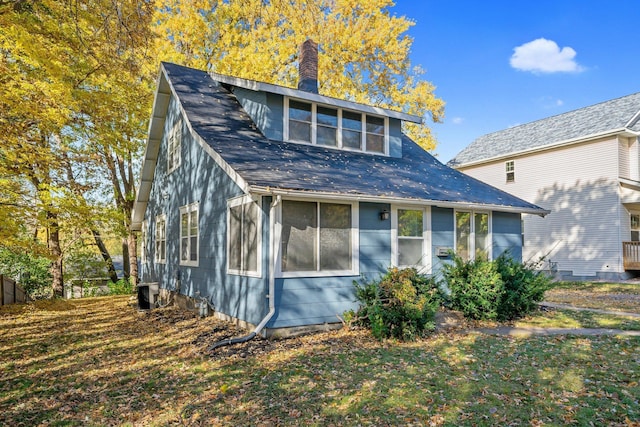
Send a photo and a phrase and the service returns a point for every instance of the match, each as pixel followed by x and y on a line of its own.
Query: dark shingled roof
pixel 596 119
pixel 219 119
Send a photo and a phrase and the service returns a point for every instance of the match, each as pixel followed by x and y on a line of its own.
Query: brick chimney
pixel 308 67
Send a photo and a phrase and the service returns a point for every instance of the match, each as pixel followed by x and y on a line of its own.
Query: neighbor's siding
pixel 579 185
pixel 199 179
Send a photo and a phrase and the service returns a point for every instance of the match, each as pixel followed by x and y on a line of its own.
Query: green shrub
pixel 476 287
pixel 502 289
pixel 523 287
pixel 32 271
pixel 121 287
pixel 402 305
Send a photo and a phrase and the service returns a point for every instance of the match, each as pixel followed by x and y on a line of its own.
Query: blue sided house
pixel 269 202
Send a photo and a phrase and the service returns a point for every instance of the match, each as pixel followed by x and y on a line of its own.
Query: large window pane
pixel 481 231
pixel 463 235
pixel 250 237
pixel 335 237
pixel 235 238
pixel 299 236
pixel 410 252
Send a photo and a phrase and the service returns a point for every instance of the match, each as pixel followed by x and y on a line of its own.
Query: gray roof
pixel 217 117
pixel 614 115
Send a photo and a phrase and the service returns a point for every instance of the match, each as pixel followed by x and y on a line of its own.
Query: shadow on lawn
pixel 104 363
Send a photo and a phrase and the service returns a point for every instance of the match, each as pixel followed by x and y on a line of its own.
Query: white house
pixel 583 166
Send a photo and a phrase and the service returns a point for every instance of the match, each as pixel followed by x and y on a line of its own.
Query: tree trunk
pixel 133 258
pixel 106 256
pixel 125 258
pixel 55 250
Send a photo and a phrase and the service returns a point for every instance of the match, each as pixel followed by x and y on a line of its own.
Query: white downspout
pixel 272 283
pixel 273 259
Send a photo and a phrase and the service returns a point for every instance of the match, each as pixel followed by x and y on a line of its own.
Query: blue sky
pixel 500 63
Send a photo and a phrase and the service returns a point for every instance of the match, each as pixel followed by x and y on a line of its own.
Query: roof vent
pixel 308 67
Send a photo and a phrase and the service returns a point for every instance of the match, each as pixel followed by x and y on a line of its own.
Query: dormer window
pixel 310 123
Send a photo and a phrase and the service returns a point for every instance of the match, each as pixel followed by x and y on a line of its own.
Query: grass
pixel 98 361
pixel 604 296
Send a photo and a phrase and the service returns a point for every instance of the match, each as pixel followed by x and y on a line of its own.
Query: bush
pixel 476 287
pixel 121 287
pixel 402 305
pixel 32 271
pixel 523 287
pixel 502 289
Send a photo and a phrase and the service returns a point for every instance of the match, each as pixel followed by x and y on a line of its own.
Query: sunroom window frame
pixel 339 143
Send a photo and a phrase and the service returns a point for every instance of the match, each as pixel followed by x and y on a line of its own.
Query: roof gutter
pixel 547 147
pixel 396 200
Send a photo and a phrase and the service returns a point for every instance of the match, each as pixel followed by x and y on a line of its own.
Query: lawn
pixel 99 361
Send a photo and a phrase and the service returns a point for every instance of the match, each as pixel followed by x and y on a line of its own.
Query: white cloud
pixel 544 56
pixel 457 120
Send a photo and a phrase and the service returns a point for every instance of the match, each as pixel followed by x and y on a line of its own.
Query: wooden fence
pixel 10 291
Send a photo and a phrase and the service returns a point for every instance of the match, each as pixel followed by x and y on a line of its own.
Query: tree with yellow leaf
pixel 64 67
pixel 363 48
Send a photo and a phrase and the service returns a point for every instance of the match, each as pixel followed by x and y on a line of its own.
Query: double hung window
pixel 317 237
pixel 473 240
pixel 243 237
pixel 510 169
pixel 161 239
pixel 411 238
pixel 189 235
pixel 174 142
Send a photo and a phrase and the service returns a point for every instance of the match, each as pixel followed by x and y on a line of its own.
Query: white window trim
pixel 156 255
pixel 174 133
pixel 472 238
pixel 187 210
pixel 355 243
pixel 426 238
pixel 242 200
pixel 314 128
